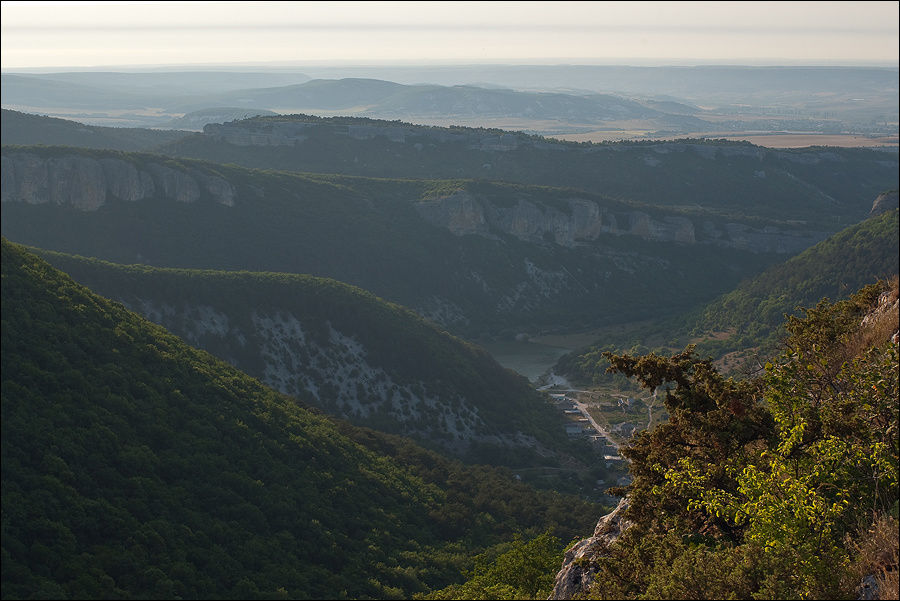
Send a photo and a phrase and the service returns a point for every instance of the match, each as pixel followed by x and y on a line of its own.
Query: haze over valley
pixel 581 103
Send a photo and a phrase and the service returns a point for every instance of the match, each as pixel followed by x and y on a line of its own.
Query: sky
pixel 95 34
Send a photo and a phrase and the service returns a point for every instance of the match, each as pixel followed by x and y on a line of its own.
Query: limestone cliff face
pixel 87 183
pixel 331 367
pixel 459 212
pixel 577 573
pixel 583 220
pixel 759 169
pixel 886 201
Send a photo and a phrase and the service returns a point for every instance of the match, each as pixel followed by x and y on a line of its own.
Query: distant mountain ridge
pixel 382 99
pixel 858 99
pixel 815 189
pixel 814 186
pixel 358 96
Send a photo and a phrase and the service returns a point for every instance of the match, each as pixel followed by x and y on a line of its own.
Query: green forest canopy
pixel 784 486
pixel 134 466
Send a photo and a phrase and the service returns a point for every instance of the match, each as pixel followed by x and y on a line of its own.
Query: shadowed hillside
pixel 350 353
pixel 23 128
pixel 814 187
pixel 474 257
pixel 744 325
pixel 136 466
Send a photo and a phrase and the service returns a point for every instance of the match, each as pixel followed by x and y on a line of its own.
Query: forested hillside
pixel 134 466
pixel 24 128
pixel 819 188
pixel 383 301
pixel 475 257
pixel 816 187
pixel 348 352
pixel 780 487
pixel 746 322
pixel 832 269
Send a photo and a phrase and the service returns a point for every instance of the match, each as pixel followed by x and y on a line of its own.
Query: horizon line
pixel 524 62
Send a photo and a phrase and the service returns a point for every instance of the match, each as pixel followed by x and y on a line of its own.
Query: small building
pixel 575 429
pixel 613 460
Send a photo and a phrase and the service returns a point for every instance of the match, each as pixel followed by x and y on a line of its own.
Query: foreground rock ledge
pixel 578 570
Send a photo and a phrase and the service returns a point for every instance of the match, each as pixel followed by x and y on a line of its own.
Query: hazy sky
pixel 42 34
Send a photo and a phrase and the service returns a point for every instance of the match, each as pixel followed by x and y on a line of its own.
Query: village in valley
pixel 608 419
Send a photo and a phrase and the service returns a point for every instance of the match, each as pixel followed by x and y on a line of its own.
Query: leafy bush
pixel 767 481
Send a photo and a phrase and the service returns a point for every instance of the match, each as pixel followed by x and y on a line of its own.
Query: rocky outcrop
pixel 578 571
pixel 196 120
pixel 583 220
pixel 87 183
pixel 886 201
pixel 124 181
pixel 331 368
pixel 459 212
pixel 883 318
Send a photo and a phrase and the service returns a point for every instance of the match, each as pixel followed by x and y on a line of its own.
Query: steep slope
pixel 780 487
pixel 351 354
pixel 135 466
pixel 831 269
pixel 747 321
pixel 814 187
pixel 475 257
